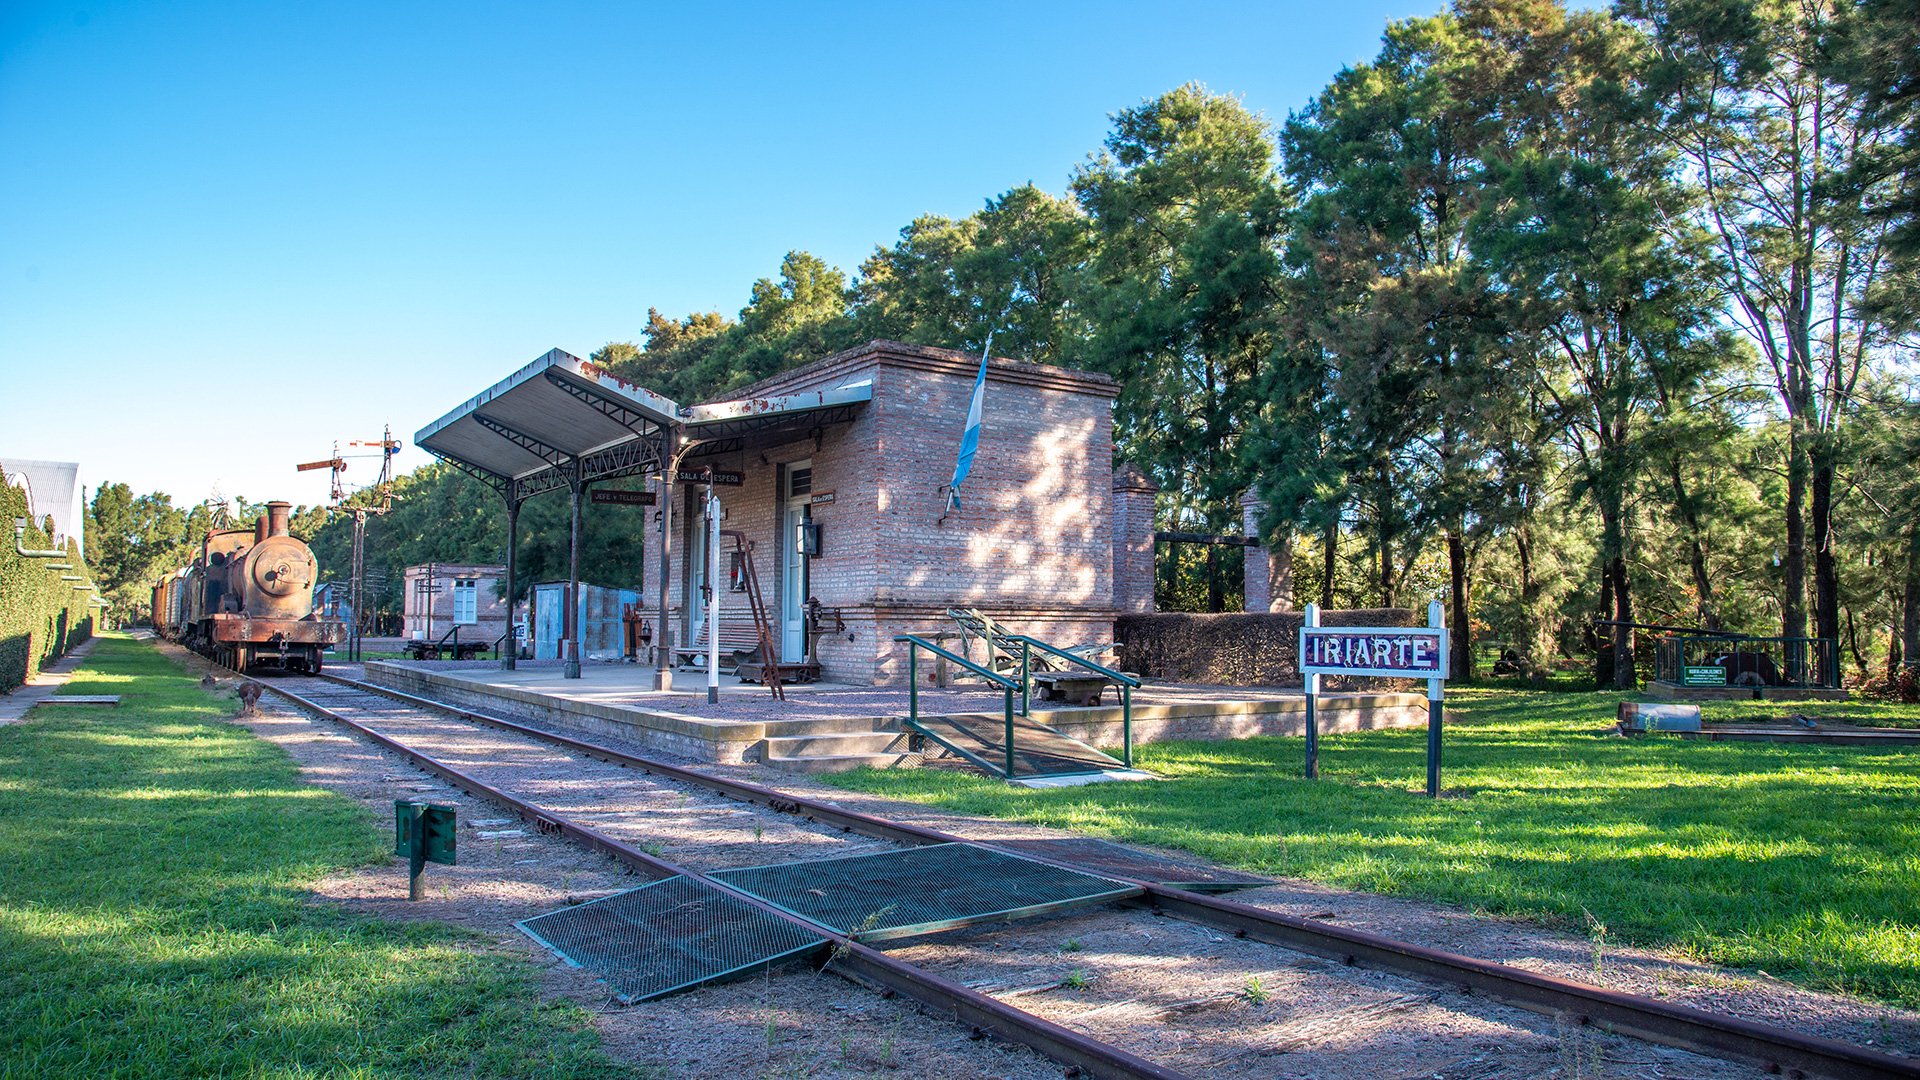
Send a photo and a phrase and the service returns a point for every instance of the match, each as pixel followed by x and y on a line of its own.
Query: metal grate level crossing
pixel 921 890
pixel 678 933
pixel 668 935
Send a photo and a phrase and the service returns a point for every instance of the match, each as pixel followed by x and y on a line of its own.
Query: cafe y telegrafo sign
pixel 1410 652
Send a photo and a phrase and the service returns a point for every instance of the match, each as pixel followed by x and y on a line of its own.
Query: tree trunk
pixel 1853 644
pixel 1707 610
pixel 1461 635
pixel 1910 602
pixel 1793 584
pixel 1330 561
pixel 1216 593
pixel 1383 505
pixel 1533 649
pixel 1613 547
pixel 1624 676
pixel 1826 578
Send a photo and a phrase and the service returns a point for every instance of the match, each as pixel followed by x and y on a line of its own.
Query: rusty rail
pixel 1773 1049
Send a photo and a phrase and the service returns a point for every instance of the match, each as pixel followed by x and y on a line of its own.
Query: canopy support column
pixel 575 487
pixel 510 656
pixel 663 634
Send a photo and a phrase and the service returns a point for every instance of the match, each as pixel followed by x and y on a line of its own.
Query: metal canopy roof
pixel 726 426
pixel 530 430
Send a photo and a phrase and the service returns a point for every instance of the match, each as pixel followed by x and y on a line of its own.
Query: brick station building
pixel 1031 544
pixel 854 451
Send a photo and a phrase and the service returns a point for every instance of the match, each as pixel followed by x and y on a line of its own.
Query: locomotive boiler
pixel 247 600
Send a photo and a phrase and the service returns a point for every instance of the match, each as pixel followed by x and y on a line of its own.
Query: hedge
pixel 41 616
pixel 1238 648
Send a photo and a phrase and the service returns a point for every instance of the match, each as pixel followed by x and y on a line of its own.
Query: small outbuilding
pixel 439 599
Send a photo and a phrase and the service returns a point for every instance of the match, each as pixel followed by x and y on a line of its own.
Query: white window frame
pixel 466 602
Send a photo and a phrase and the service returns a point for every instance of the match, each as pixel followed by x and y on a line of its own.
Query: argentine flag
pixel 970 439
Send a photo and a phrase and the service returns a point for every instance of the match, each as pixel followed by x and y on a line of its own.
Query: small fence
pixel 1735 660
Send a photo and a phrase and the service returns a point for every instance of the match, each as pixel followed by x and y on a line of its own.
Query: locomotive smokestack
pixel 277 518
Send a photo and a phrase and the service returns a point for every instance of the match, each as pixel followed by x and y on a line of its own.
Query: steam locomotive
pixel 247 601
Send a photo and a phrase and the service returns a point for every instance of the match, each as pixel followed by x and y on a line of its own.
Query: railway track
pixel 416 727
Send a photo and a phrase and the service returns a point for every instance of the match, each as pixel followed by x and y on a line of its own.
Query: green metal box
pixel 437 831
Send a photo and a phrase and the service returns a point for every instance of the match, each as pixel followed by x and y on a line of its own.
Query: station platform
pixel 828 727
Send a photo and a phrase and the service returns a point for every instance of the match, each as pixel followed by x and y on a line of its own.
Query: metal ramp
pixel 681 933
pixel 1014 746
pixel 1038 750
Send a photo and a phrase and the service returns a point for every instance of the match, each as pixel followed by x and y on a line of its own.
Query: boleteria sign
pixel 1407 652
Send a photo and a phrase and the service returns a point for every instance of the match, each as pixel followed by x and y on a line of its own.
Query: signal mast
pixel 387 447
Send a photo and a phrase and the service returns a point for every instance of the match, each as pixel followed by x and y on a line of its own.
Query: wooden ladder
pixel 756 604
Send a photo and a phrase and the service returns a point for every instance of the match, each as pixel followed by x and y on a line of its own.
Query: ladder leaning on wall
pixel 762 625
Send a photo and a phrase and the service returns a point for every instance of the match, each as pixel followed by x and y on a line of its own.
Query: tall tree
pixel 1008 269
pixel 1573 232
pixel 1388 159
pixel 1748 95
pixel 1187 213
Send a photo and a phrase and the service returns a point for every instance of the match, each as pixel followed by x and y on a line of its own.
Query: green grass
pixel 155 919
pixel 1801 861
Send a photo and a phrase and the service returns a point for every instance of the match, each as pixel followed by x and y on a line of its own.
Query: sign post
pixel 1313 692
pixel 1416 652
pixel 1436 702
pixel 713 597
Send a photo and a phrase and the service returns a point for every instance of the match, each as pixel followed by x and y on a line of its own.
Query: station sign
pixel 717 477
pixel 1408 652
pixel 1703 675
pixel 625 498
pixel 1405 652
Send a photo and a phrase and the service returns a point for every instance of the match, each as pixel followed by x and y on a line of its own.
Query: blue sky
pixel 231 233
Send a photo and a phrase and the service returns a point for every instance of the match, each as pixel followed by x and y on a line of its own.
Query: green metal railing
pixel 913 696
pixel 1797 662
pixel 1126 681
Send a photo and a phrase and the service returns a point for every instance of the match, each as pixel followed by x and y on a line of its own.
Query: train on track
pixel 247 600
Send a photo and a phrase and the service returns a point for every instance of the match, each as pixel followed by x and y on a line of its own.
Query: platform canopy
pixel 532 430
pixel 727 426
pixel 527 433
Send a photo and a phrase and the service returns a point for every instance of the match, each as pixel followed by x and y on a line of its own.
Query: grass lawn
pixel 1802 861
pixel 154 919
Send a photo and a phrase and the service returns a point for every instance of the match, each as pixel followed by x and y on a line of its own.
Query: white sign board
pixel 1410 652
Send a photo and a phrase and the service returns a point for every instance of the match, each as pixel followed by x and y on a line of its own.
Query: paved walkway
pixel 632 685
pixel 42 684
